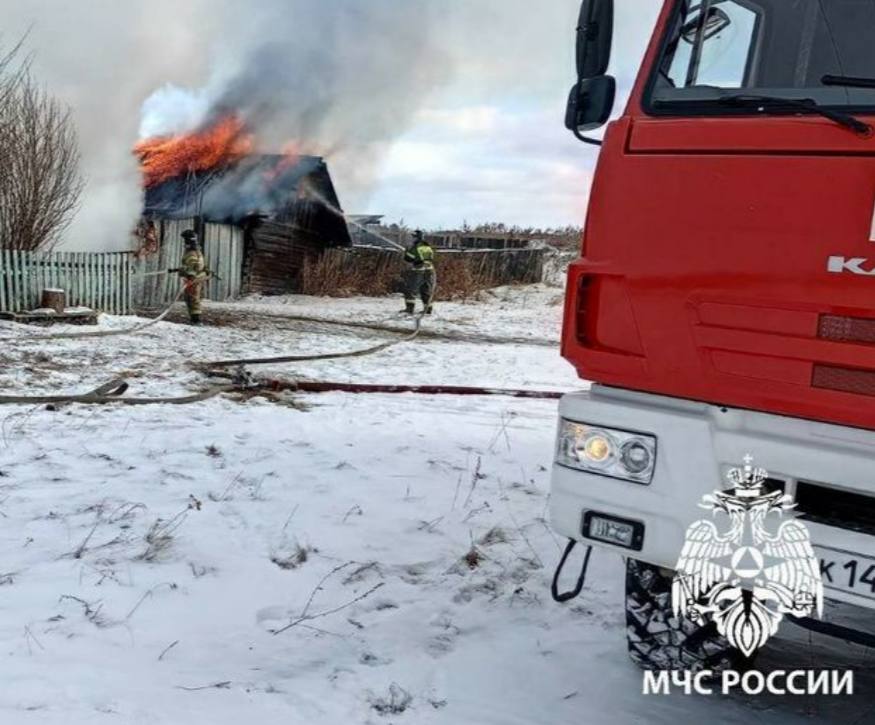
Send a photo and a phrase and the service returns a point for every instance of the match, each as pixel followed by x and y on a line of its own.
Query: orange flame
pixel 165 158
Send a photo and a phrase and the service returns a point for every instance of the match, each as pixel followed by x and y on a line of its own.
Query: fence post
pixel 74 279
pixel 2 280
pixel 13 279
pixel 16 280
pixel 101 276
pixel 129 297
pixel 115 289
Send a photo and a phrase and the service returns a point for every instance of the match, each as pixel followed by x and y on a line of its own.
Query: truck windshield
pixel 821 50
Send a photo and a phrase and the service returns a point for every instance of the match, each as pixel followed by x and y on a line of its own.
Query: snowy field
pixel 316 558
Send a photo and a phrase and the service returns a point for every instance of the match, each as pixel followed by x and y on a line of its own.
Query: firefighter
pixel 193 270
pixel 421 275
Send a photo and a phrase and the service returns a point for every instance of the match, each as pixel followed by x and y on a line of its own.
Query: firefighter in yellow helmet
pixel 421 275
pixel 193 271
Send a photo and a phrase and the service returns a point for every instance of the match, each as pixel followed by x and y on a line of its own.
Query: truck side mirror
pixel 590 104
pixel 595 33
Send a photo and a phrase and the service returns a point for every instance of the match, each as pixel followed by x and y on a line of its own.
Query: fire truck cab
pixel 723 305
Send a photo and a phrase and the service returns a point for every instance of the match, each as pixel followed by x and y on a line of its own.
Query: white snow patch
pixel 148 553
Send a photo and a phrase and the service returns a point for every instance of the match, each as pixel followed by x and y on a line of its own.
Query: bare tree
pixel 40 182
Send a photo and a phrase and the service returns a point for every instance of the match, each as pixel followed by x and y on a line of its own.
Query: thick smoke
pixel 346 77
pixel 103 58
pixel 341 79
pixel 343 76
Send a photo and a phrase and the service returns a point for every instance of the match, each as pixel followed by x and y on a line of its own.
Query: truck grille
pixel 832 507
pixel 844 380
pixel 846 329
pixel 858 330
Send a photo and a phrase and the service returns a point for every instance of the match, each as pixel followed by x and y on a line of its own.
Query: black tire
pixel 658 640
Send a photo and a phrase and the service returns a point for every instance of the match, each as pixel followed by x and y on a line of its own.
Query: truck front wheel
pixel 659 640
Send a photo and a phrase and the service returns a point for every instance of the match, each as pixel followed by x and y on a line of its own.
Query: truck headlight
pixel 606 451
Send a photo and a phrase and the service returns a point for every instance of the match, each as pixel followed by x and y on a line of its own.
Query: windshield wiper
pixel 848 81
pixel 764 104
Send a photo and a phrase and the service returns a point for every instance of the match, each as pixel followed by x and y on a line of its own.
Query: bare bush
pixel 567 237
pixel 40 183
pixel 340 273
pixel 377 272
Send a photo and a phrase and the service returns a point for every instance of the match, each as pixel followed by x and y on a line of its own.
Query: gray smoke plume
pixel 340 79
pixel 346 77
pixel 342 76
pixel 102 58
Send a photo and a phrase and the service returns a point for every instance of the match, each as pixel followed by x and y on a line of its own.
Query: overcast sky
pixel 492 146
pixel 481 140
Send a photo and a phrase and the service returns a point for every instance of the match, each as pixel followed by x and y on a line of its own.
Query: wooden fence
pixel 101 281
pixel 223 251
pixel 120 283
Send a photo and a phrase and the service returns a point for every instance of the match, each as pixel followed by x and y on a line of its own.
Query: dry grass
pixel 343 274
pixel 395 702
pixel 293 559
pixel 375 272
pixel 160 536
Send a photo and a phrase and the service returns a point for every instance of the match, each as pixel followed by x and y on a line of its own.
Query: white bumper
pixel 696 445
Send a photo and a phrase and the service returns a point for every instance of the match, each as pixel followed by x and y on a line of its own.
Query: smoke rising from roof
pixel 102 58
pixel 344 76
pixel 347 76
pixel 340 79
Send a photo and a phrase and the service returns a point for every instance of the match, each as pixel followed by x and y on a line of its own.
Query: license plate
pixel 846 571
pixel 613 530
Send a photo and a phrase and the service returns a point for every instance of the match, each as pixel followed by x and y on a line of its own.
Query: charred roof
pixel 267 186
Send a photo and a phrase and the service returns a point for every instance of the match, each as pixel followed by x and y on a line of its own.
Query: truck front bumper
pixel 696 446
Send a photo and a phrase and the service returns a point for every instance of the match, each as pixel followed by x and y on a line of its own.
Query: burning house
pixel 282 208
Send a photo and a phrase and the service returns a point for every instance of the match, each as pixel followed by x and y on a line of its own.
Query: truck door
pixel 730 245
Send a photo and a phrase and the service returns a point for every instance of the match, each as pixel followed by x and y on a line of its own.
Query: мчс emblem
pixel 747 578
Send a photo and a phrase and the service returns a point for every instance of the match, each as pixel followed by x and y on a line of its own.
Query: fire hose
pixel 424 332
pixel 282 359
pixel 97 333
pixel 318 386
pixel 310 358
pixel 186 286
pixel 113 391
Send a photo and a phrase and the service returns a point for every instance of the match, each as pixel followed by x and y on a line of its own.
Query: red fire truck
pixel 724 301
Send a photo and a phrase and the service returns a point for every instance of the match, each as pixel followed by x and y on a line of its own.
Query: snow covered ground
pixel 149 557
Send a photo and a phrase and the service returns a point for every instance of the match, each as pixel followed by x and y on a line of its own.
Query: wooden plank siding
pixel 223 252
pixel 96 280
pixel 277 256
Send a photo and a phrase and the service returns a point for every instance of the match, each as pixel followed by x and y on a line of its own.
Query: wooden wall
pixel 275 257
pixel 223 251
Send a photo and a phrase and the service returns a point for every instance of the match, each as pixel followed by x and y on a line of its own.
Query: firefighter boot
pixel 196 320
pixel 409 308
pixel 428 309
